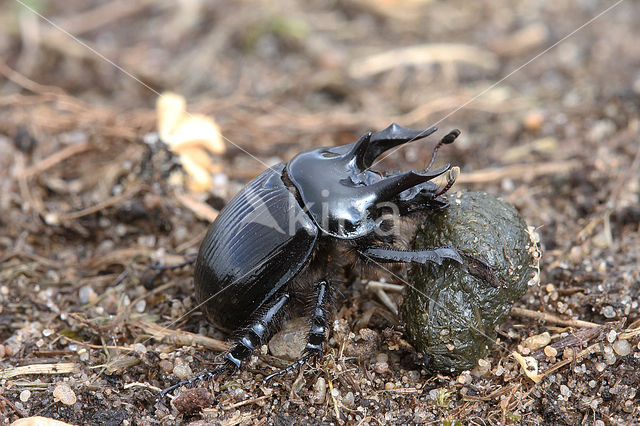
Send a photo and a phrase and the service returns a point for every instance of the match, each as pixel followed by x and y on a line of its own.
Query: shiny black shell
pixel 259 242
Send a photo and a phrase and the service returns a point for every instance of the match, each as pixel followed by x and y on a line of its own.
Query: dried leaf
pixel 530 366
pixel 192 136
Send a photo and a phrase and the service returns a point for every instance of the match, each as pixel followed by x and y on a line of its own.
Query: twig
pixel 181 338
pixel 56 158
pixel 100 206
pixel 589 350
pixel 422 54
pixel 245 402
pixel 142 385
pixel 554 319
pixel 200 209
pixel 26 83
pixel 18 411
pixel 102 15
pixel 59 368
pixel 524 172
pixel 117 256
pixel 386 300
pixel 421 113
pixel 92 346
pixel 375 285
pixel 190 243
pixel 628 333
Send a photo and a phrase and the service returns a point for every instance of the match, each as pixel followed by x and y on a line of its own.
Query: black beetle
pixel 280 241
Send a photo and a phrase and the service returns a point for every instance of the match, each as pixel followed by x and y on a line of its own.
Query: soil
pixel 546 93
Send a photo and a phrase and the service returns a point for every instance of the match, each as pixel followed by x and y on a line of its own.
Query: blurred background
pixel 546 93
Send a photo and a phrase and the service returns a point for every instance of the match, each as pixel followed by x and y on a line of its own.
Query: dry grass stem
pixel 36 369
pixel 181 338
pixel 421 55
pixel 550 318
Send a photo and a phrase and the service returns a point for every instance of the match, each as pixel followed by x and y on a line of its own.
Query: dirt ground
pixel 546 93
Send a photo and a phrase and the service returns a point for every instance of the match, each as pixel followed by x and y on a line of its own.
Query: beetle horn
pixel 391 186
pixel 375 144
pixel 359 149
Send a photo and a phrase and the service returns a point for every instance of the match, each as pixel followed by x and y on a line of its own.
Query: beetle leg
pixel 434 255
pixel 254 336
pixel 476 266
pixel 206 375
pixel 256 333
pixel 317 333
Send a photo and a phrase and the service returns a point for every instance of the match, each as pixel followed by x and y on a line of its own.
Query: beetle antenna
pixel 451 179
pixel 446 140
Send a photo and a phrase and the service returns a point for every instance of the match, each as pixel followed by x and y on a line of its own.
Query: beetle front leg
pixel 434 255
pixel 476 266
pixel 317 333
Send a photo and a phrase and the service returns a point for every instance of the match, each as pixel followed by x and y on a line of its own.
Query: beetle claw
pixel 291 367
pixel 210 374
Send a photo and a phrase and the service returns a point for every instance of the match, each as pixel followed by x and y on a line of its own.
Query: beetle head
pixel 341 193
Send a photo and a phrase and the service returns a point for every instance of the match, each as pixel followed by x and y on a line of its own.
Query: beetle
pixel 281 241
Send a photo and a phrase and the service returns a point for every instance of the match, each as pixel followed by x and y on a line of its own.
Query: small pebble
pixel 382 357
pixel 567 353
pixel 86 295
pixel 628 407
pixel 609 312
pixel 25 395
pixel 139 348
pixel 550 351
pixel 533 121
pixel 8 350
pixel 482 368
pixel 609 358
pixel 348 399
pixel 65 394
pixel 600 366
pixel 538 341
pixel 389 386
pixel 319 391
pixel 290 341
pixel 83 354
pixel 611 336
pixel 622 347
pixel 182 370
pixel 465 378
pixel 166 366
pixel 414 375
pixel 141 306
pixel 380 367
pixel 564 390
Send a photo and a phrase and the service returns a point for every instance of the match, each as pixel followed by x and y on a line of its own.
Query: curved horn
pixel 389 187
pixel 359 150
pixel 390 137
